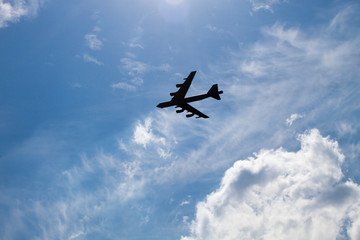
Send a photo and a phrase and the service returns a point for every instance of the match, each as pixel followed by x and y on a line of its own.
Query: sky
pixel 85 153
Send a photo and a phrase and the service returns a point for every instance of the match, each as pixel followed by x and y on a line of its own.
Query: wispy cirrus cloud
pixel 135 42
pixel 279 195
pixel 154 141
pixel 293 77
pixel 143 134
pixel 123 85
pixel 91 59
pixel 133 66
pixel 264 4
pixel 135 70
pixel 12 11
pixel 93 42
pixel 292 118
pixel 96 187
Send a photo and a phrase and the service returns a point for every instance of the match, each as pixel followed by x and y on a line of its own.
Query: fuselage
pixel 175 101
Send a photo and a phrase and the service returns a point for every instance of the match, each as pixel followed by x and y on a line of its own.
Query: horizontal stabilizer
pixel 214 92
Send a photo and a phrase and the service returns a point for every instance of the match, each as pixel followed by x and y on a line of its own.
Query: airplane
pixel 180 101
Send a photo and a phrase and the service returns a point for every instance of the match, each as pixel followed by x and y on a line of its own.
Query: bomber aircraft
pixel 180 101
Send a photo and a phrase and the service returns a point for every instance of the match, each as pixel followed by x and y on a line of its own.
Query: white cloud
pixel 133 66
pixel 164 67
pixel 211 28
pixel 76 85
pixel 88 58
pixel 123 85
pixel 345 128
pixel 78 211
pixel 12 11
pixel 283 195
pixel 263 4
pixel 148 142
pixel 254 68
pixel 321 50
pixel 78 198
pixel 143 134
pixel 135 42
pixel 136 69
pixel 185 202
pixel 341 19
pixel 96 29
pixel 93 42
pixel 292 118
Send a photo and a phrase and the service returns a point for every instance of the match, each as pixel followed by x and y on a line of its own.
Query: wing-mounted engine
pixel 173 93
pixel 180 110
pixel 190 115
pixel 179 85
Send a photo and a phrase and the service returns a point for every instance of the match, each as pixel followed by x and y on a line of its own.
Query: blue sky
pixel 85 154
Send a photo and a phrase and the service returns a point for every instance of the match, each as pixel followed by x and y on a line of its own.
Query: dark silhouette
pixel 180 101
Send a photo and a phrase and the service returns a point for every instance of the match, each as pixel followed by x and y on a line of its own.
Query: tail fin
pixel 214 92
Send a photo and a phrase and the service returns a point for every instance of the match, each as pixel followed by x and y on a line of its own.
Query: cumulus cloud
pixel 283 195
pixel 14 10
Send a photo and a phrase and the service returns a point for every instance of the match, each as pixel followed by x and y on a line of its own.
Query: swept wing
pixel 193 111
pixel 183 87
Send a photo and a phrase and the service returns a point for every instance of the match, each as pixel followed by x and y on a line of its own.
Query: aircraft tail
pixel 214 92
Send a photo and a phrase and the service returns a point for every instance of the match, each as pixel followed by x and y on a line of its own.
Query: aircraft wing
pixel 193 110
pixel 184 87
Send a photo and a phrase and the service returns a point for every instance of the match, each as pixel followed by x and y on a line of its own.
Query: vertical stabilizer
pixel 214 92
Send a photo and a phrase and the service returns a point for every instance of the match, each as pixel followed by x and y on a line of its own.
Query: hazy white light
pixel 173 11
pixel 174 2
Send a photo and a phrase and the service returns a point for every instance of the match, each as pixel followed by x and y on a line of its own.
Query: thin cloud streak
pixel 292 118
pixel 135 70
pixel 90 59
pixel 123 85
pixel 263 5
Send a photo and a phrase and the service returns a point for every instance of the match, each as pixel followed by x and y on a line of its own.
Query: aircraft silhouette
pixel 180 101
